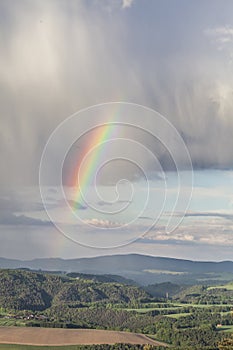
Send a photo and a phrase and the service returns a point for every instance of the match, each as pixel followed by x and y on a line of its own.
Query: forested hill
pixel 38 291
pixel 140 268
pixel 115 263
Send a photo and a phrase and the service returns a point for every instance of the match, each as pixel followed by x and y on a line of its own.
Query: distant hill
pixel 140 268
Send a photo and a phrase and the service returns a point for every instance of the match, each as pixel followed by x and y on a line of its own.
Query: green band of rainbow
pixel 84 179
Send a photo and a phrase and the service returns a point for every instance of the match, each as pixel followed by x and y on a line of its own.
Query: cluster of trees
pixel 201 335
pixel 199 294
pixel 164 290
pixel 102 318
pixel 22 290
pixel 89 292
pixel 199 317
pixel 226 344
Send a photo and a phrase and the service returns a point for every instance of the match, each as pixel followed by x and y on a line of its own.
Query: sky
pixel 61 57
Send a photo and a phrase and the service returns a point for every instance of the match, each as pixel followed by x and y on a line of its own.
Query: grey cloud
pixel 22 220
pixel 103 203
pixel 75 204
pixel 170 241
pixel 145 218
pixel 52 202
pixel 210 214
pixel 52 190
pixel 15 204
pixel 58 57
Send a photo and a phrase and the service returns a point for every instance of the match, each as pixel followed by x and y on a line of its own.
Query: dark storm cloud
pixel 60 56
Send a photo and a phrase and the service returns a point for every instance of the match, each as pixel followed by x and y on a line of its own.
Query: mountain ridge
pixel 144 269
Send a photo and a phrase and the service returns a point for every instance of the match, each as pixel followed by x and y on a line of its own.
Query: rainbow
pixel 82 181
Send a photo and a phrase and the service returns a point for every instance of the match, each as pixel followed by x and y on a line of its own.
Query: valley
pixel 163 314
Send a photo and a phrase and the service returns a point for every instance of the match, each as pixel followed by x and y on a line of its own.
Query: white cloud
pixel 127 3
pixel 199 230
pixel 226 31
pixel 101 223
pixel 222 37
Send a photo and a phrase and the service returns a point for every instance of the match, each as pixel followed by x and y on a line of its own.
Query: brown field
pixel 58 336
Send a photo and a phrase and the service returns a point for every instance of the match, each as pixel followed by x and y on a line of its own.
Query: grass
pixel 177 306
pixel 6 322
pixel 204 305
pixel 228 286
pixel 226 329
pixel 225 313
pixel 3 311
pixel 176 316
pixel 152 336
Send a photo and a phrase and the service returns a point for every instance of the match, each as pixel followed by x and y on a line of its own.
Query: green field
pixel 226 329
pixel 177 306
pixel 203 305
pixel 11 322
pixel 148 309
pixel 228 286
pixel 176 316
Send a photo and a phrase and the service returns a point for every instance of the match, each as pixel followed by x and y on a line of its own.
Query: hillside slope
pixel 36 291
